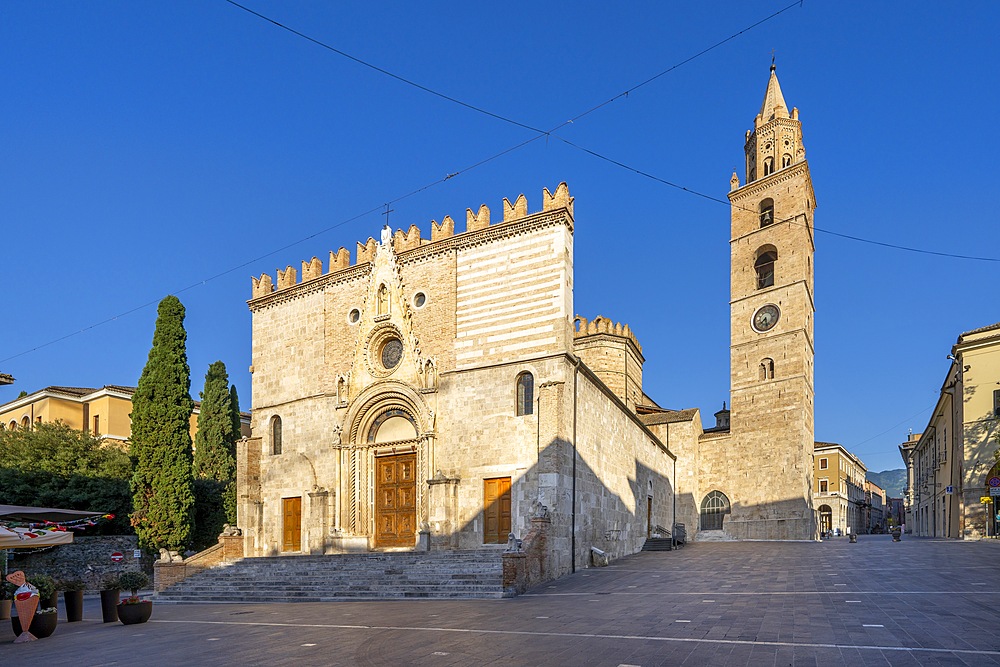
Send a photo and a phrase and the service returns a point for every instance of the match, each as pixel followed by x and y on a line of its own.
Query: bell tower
pixel 771 320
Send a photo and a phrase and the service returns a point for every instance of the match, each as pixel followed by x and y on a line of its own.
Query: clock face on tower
pixel 765 318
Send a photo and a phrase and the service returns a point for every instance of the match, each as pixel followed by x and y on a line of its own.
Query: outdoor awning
pixel 27 538
pixel 40 514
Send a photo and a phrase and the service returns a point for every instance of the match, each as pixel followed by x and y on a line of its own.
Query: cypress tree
pixel 160 445
pixel 234 412
pixel 215 442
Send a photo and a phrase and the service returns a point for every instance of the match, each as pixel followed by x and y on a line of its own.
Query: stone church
pixel 439 394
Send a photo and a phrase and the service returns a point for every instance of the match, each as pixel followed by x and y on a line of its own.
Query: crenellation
pixel 411 239
pixel 602 325
pixel 402 242
pixel 262 286
pixel 477 221
pixel 312 269
pixel 560 199
pixel 340 260
pixel 515 211
pixel 286 278
pixel 366 252
pixel 443 231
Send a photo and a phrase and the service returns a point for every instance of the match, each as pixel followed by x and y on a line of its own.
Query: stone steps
pixel 393 575
pixel 658 544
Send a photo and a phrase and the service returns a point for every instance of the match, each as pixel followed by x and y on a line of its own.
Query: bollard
pixel 854 538
pixel 896 534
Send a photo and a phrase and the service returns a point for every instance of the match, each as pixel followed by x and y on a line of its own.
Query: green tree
pixel 53 465
pixel 215 442
pixel 162 480
pixel 234 413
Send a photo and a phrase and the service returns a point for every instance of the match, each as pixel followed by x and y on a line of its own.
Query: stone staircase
pixel 713 536
pixel 658 544
pixel 373 576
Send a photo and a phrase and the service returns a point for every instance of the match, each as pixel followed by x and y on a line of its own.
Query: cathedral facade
pixel 439 394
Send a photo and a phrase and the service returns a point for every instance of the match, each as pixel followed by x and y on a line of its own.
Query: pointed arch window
pixel 276 434
pixel 766 369
pixel 525 394
pixel 766 209
pixel 767 256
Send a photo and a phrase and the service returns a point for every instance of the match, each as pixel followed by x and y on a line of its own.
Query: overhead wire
pixel 539 135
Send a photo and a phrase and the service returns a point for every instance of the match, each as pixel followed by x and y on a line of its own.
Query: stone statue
pixel 387 235
pixel 170 556
pixel 230 531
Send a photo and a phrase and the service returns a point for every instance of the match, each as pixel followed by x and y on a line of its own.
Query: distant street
pixel 917 602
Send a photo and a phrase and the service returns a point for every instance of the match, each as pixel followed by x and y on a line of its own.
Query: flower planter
pixel 109 605
pixel 74 605
pixel 42 625
pixel 5 609
pixel 135 612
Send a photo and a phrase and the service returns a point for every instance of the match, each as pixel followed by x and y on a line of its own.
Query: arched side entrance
pixel 825 518
pixel 714 508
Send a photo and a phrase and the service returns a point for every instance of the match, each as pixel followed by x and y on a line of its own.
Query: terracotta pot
pixel 74 605
pixel 42 625
pixel 138 612
pixel 109 605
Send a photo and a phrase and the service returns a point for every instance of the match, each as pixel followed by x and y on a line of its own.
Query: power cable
pixel 539 134
pixel 791 219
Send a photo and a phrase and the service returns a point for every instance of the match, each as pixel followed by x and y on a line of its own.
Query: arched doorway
pixel 825 518
pixel 992 507
pixel 395 479
pixel 714 507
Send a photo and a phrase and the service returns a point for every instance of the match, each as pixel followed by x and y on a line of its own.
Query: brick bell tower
pixel 771 318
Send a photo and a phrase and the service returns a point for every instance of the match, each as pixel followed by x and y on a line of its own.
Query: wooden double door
pixel 395 500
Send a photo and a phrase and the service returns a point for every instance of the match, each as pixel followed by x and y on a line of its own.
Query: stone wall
pixel 620 466
pixel 87 558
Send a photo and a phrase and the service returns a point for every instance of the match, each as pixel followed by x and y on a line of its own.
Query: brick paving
pixel 917 602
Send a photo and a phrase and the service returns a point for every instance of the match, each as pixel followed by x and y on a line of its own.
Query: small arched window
pixel 525 394
pixel 276 435
pixel 764 266
pixel 766 209
pixel 766 369
pixel 768 166
pixel 25 422
pixel 786 160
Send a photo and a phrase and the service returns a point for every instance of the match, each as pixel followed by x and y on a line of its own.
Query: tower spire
pixel 774 102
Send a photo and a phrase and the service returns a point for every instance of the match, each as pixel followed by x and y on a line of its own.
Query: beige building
pixel 439 393
pixel 104 412
pixel 951 466
pixel 839 494
pixel 874 508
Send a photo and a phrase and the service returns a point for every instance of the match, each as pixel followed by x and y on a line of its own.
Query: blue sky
pixel 180 147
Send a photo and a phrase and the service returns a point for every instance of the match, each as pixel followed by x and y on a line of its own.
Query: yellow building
pixel 950 466
pixel 839 492
pixel 104 412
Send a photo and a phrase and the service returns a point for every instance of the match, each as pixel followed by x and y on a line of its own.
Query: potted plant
pixel 132 609
pixel 43 623
pixel 109 598
pixel 73 598
pixel 48 597
pixel 6 599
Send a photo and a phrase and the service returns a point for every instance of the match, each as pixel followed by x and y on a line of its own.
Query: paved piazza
pixel 917 602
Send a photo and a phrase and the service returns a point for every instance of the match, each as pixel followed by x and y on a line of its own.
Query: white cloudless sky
pixel 180 147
